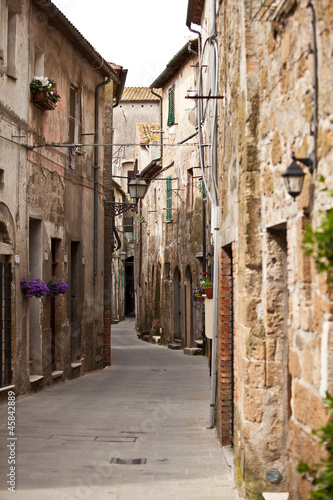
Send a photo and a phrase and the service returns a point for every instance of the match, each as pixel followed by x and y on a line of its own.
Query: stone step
pixel 192 351
pixel 174 346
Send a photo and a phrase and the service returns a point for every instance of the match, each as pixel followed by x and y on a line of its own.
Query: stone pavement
pixel 135 430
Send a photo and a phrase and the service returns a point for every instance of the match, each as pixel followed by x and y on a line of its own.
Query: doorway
pixel 5 322
pixel 188 308
pixel 177 309
pixel 129 286
pixel 35 269
pixel 55 245
pixel 76 310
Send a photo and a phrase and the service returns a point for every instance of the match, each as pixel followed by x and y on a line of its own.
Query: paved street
pixel 136 430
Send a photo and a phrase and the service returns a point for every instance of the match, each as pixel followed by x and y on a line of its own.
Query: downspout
pixel 216 212
pixel 315 84
pixel 161 119
pixel 96 168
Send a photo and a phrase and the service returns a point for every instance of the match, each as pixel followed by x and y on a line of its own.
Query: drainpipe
pixel 315 84
pixel 161 119
pixel 96 168
pixel 215 212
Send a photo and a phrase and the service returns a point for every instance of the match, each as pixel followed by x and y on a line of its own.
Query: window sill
pixel 12 76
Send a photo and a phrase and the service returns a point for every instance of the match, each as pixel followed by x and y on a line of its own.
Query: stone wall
pixel 282 310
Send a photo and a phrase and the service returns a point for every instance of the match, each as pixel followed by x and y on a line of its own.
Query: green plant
pixel 321 474
pixel 43 84
pixel 205 280
pixel 320 243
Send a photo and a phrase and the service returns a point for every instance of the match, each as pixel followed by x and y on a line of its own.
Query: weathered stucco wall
pixel 47 201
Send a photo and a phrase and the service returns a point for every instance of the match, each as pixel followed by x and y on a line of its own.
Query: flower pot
pixel 41 99
pixel 209 292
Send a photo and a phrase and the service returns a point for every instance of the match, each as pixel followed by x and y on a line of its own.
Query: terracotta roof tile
pixel 139 94
pixel 148 132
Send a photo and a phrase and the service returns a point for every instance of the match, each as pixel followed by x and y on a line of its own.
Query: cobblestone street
pixel 135 430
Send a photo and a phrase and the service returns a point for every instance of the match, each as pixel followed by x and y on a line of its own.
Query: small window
pixel 189 193
pixel 171 109
pixel 74 115
pixel 11 43
pixel 169 199
pixel 39 62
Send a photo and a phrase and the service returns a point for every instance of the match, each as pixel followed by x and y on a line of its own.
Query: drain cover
pixel 132 461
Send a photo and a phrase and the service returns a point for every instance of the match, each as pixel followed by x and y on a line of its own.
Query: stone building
pixel 274 332
pixel 136 105
pixel 172 242
pixel 52 211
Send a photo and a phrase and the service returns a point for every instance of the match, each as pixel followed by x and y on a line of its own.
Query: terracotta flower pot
pixel 209 292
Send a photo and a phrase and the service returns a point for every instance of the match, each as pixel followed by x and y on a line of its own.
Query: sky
pixel 140 35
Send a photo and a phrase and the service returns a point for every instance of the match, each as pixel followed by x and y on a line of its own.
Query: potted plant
pixel 207 285
pixel 33 287
pixel 44 92
pixel 56 286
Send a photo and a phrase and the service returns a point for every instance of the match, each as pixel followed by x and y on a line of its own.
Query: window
pixel 39 62
pixel 74 123
pixel 74 115
pixel 169 199
pixel 11 43
pixel 171 109
pixel 189 193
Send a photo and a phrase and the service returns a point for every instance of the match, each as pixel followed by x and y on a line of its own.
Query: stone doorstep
pixel 35 378
pixel 192 351
pixel 76 370
pixel 272 495
pixel 57 374
pixel 174 346
pixel 4 393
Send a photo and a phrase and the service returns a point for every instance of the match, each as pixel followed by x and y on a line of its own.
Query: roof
pixel 139 94
pixel 148 133
pixel 59 21
pixel 175 64
pixel 194 11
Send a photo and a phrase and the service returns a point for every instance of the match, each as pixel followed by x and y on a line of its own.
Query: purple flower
pixel 56 286
pixel 33 287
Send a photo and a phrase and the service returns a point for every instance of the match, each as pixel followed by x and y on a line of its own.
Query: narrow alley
pixel 135 430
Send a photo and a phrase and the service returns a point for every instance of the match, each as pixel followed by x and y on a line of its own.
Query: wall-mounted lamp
pixel 122 255
pixel 137 188
pixel 294 175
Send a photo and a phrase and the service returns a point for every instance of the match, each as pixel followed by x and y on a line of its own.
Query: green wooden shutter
pixel 169 199
pixel 171 111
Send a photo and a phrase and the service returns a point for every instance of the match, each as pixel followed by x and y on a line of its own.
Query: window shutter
pixel 169 199
pixel 171 111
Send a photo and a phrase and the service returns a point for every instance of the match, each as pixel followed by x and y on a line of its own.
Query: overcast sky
pixel 140 35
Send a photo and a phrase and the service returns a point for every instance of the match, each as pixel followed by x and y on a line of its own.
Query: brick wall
pixel 226 340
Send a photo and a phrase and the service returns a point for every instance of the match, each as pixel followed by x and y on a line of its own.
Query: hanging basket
pixel 209 292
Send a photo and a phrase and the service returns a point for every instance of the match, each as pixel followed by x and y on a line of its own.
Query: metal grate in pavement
pixel 132 461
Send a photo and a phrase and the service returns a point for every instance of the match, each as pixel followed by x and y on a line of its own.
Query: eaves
pixel 175 64
pixel 59 21
pixel 152 169
pixel 194 12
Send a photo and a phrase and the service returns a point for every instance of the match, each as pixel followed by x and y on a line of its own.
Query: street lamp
pixel 294 175
pixel 137 188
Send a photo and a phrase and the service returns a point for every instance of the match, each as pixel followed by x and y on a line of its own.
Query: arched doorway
pixel 129 286
pixel 188 308
pixel 177 309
